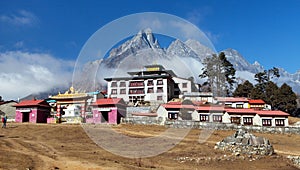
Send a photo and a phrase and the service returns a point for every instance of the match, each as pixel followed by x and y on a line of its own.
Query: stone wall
pixel 130 110
pixel 223 126
pixel 209 125
pixel 142 120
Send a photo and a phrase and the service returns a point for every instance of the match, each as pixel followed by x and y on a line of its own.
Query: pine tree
pixel 229 72
pixel 243 90
pixel 265 89
pixel 287 99
pixel 271 94
pixel 257 93
pixel 220 74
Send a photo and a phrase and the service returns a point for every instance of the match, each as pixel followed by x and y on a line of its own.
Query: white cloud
pixel 21 18
pixel 152 23
pixel 24 73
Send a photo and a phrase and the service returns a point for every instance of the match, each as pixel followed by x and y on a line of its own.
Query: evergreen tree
pixel 220 74
pixel 265 89
pixel 257 93
pixel 243 90
pixel 271 94
pixel 264 77
pixel 287 99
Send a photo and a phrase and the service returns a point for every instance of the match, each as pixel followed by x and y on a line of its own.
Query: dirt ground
pixel 68 147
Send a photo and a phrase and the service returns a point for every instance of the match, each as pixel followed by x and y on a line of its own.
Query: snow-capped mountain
pixel 144 40
pixel 184 58
pixel 201 50
pixel 240 63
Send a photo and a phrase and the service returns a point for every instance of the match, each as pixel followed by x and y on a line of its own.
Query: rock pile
pixel 245 143
pixel 295 160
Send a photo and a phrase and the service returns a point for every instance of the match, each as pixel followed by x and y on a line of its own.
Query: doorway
pixel 104 118
pixel 25 117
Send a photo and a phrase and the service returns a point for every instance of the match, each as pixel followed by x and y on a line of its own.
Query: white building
pixel 234 102
pixel 221 114
pixel 152 84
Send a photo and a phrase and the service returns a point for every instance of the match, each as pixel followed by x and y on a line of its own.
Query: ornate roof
pixel 70 94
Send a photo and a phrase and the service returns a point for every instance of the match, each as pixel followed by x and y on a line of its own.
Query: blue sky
pixel 30 31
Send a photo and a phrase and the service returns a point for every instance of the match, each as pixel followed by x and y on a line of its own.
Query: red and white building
pixel 153 84
pixel 33 111
pixel 107 111
pixel 221 114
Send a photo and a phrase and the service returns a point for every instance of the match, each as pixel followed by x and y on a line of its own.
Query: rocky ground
pixel 42 146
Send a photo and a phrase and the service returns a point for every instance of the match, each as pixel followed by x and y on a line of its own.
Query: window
pixel 227 105
pixel 240 106
pixel 204 118
pixel 136 91
pixel 267 122
pixel 173 116
pixel 217 118
pixel 114 91
pixel 150 90
pixel 159 82
pixel 279 122
pixel 136 83
pixel 114 84
pixel 122 84
pixel 235 120
pixel 160 90
pixel 159 98
pixel 184 85
pixel 248 120
pixel 134 99
pixel 122 91
pixel 205 99
pixel 150 83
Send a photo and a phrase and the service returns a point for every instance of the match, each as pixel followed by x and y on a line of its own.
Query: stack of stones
pixel 295 160
pixel 245 143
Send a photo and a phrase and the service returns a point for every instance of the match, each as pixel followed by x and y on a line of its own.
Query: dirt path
pixel 68 147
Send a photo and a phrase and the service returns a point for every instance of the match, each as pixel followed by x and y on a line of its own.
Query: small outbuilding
pixel 33 111
pixel 108 111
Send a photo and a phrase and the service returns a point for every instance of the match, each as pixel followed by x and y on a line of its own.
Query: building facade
pixel 152 84
pixel 33 111
pixel 221 114
pixel 107 111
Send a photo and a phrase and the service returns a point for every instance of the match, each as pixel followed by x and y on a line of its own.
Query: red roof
pixel 174 106
pixel 24 103
pixel 232 99
pixel 108 101
pixel 241 111
pixel 210 108
pixel 257 101
pixel 271 113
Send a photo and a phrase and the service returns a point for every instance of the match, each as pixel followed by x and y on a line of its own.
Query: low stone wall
pixel 142 120
pixel 76 120
pixel 209 125
pixel 131 110
pixel 224 126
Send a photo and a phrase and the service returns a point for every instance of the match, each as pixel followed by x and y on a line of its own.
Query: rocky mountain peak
pixel 146 36
pixel 201 50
